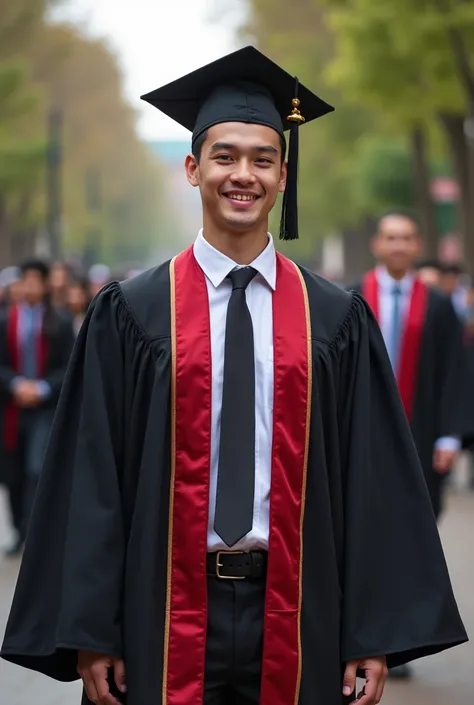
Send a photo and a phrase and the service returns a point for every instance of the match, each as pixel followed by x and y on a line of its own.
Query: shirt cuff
pixel 44 390
pixel 448 443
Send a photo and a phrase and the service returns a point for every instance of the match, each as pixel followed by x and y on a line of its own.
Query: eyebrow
pixel 262 149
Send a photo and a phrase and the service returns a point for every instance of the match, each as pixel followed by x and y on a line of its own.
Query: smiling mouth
pixel 239 197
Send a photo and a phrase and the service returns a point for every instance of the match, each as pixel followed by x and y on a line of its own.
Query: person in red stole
pixel 424 341
pixel 35 345
pixel 239 511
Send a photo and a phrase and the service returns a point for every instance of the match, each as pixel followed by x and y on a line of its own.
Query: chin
pixel 242 224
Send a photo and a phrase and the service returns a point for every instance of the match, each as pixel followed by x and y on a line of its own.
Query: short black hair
pixel 35 265
pixel 428 264
pixel 197 146
pixel 455 268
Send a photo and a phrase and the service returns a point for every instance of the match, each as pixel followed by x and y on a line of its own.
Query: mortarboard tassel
pixel 289 216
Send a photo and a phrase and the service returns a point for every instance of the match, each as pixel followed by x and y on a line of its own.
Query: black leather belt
pixel 237 565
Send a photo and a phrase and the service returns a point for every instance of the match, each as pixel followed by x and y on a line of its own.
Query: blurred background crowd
pixel 92 186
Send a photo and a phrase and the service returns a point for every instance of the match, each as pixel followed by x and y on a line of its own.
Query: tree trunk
pixel 462 58
pixel 454 126
pixel 6 257
pixel 424 201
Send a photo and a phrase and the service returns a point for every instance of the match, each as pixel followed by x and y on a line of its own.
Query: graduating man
pixel 424 341
pixel 232 509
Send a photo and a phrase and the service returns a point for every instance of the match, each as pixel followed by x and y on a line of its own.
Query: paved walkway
pixel 445 679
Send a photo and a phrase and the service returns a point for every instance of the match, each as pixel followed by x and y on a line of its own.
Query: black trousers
pixel 234 641
pixel 24 466
pixel 437 487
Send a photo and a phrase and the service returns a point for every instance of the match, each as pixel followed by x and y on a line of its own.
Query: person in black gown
pixel 239 511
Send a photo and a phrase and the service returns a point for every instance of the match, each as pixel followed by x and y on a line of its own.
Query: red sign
pixel 444 190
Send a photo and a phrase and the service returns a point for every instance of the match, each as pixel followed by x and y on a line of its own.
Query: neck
pixel 242 248
pixel 397 274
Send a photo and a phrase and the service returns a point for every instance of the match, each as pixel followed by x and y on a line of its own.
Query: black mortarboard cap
pixel 245 86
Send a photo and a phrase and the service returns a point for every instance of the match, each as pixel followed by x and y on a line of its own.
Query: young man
pixel 35 346
pixel 424 341
pixel 240 516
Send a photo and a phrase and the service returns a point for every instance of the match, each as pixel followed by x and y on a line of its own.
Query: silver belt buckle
pixel 220 565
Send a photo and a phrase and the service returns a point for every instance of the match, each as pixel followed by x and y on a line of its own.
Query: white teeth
pixel 242 197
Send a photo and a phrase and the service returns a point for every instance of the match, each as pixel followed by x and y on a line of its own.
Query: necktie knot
pixel 241 278
pixel 397 289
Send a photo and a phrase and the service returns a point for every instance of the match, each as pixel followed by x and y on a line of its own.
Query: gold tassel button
pixel 295 113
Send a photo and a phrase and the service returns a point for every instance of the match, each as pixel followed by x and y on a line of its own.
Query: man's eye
pixel 262 160
pixel 223 157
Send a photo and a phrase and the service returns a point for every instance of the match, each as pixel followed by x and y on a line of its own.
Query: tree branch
pixel 461 55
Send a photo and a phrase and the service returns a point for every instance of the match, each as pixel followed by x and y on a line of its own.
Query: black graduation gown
pixel 95 569
pixel 440 405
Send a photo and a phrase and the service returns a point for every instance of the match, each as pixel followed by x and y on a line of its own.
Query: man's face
pixel 240 174
pixel 397 244
pixel 429 276
pixel 76 299
pixel 34 287
pixel 59 277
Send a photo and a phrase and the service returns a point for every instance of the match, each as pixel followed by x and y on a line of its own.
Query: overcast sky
pixel 158 41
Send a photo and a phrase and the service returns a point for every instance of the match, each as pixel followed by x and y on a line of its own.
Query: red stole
pixel 411 335
pixel 11 410
pixel 186 605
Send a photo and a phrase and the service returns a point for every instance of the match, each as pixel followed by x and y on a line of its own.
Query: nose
pixel 242 173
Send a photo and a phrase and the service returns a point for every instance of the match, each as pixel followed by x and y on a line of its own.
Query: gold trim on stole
pixel 164 691
pixel 305 469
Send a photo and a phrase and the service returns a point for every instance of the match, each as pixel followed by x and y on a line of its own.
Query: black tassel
pixel 289 215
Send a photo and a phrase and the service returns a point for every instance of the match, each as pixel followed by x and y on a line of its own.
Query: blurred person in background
pixel 429 272
pixel 10 286
pixel 59 278
pixel 35 344
pixel 424 340
pixel 453 281
pixel 78 300
pixel 99 275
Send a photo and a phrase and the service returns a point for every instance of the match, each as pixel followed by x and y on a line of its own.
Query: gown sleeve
pixel 67 596
pixel 397 596
pixel 456 417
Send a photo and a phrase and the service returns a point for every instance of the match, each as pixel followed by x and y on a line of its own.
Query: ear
pixel 374 245
pixel 192 169
pixel 283 176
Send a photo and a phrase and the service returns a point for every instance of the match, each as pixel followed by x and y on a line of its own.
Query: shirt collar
pixel 387 283
pixel 216 266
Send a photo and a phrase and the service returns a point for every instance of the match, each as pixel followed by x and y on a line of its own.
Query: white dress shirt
pixel 386 287
pixel 216 266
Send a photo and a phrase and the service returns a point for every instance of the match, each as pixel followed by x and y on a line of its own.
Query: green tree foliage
pixel 414 62
pixel 391 68
pixel 45 66
pixel 81 76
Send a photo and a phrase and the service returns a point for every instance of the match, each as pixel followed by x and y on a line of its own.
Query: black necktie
pixel 236 472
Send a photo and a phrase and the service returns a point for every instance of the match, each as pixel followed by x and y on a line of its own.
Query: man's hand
pixel 443 460
pixel 26 394
pixel 93 669
pixel 376 673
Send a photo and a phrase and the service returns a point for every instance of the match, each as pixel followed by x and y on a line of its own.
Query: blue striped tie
pixel 29 348
pixel 395 332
